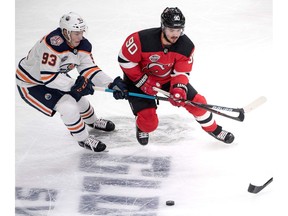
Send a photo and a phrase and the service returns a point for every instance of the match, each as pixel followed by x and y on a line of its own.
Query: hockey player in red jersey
pixel 44 83
pixel 163 57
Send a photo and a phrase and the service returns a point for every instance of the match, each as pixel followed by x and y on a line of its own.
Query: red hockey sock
pixel 203 117
pixel 147 120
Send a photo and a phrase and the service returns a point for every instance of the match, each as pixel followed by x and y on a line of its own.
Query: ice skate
pixel 93 144
pixel 142 137
pixel 103 124
pixel 222 135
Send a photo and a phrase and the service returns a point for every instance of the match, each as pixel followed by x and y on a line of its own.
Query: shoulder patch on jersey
pixel 56 40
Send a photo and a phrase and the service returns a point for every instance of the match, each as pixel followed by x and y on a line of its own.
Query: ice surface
pixel 233 66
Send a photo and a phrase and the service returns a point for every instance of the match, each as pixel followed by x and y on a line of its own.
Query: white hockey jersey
pixel 50 60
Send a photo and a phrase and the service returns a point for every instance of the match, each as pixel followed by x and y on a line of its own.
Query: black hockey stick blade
pixel 255 189
pixel 218 110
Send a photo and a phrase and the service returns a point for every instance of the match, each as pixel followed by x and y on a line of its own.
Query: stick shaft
pixel 129 93
pixel 212 108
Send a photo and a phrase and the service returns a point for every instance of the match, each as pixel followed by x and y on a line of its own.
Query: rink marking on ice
pixel 137 175
pixel 34 200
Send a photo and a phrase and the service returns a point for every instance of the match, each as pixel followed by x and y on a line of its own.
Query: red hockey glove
pixel 146 84
pixel 178 93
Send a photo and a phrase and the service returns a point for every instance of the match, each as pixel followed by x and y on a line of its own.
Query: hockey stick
pixel 248 108
pixel 212 108
pixel 132 94
pixel 219 109
pixel 255 189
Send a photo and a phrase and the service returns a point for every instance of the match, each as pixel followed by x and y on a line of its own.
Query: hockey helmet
pixel 72 22
pixel 172 17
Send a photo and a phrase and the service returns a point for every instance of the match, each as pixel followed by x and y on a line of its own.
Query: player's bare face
pixel 76 37
pixel 172 34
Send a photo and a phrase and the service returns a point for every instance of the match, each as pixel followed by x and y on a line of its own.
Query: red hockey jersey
pixel 143 53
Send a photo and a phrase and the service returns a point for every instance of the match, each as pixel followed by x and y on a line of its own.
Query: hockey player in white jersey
pixel 43 81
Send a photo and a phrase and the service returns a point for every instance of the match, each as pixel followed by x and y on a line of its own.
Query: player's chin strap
pixel 219 110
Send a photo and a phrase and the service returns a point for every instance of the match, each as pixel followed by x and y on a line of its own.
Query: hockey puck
pixel 170 203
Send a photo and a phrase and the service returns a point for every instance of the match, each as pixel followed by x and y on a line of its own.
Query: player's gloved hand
pixel 146 84
pixel 82 87
pixel 178 93
pixel 120 88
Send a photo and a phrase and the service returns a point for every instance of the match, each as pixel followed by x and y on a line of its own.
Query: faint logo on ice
pixel 114 185
pixel 34 200
pixel 121 185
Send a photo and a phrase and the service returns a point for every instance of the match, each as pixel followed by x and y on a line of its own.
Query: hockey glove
pixel 178 94
pixel 82 87
pixel 146 84
pixel 120 88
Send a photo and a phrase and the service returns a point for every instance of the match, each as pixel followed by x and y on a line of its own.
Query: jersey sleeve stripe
pixel 124 62
pixel 89 73
pixel 128 65
pixel 23 74
pixel 48 77
pixel 23 77
pixel 176 73
pixel 122 58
